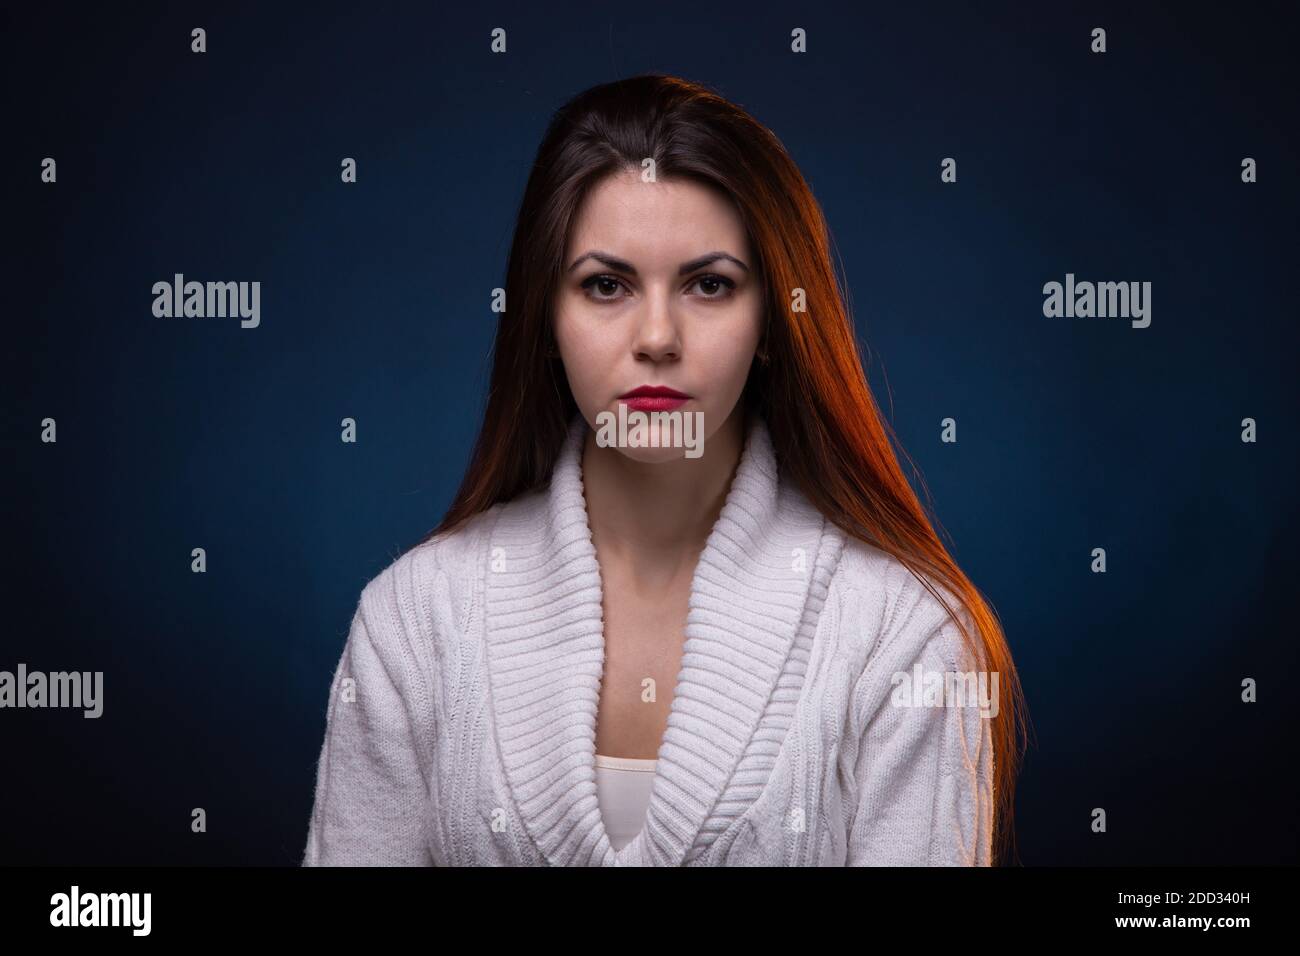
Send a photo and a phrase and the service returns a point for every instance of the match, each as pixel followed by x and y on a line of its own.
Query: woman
pixel 715 637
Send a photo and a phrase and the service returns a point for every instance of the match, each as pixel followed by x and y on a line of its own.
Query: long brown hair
pixel 829 436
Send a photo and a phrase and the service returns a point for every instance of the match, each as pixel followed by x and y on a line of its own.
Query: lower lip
pixel 654 403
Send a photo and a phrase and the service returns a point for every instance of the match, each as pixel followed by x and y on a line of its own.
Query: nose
pixel 657 337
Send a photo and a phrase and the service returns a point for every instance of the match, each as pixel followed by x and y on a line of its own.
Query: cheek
pixel 586 362
pixel 582 331
pixel 587 354
pixel 728 351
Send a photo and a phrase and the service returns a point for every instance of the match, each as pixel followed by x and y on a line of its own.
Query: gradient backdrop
pixel 1073 433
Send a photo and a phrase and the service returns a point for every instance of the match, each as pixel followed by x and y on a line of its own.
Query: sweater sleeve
pixel 923 778
pixel 371 801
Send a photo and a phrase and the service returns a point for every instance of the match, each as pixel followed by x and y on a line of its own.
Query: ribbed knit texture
pixel 477 660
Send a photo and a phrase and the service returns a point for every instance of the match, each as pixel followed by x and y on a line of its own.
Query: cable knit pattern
pixel 462 719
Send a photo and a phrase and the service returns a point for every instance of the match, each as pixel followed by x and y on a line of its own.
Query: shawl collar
pixel 545 637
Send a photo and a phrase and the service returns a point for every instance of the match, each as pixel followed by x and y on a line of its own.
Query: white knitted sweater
pixel 462 714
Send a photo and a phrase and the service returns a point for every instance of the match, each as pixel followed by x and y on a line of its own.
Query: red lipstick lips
pixel 654 398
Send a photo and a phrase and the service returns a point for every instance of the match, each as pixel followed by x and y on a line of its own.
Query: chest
pixel 784 803
pixel 644 634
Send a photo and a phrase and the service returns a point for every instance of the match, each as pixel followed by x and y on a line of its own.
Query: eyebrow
pixel 620 265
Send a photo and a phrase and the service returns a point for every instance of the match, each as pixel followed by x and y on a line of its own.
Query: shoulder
pixel 889 615
pixel 891 626
pixel 429 593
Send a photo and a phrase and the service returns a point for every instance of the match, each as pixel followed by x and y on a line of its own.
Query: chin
pixel 653 456
pixel 644 437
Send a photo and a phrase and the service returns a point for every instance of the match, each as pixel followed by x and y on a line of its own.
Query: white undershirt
pixel 623 787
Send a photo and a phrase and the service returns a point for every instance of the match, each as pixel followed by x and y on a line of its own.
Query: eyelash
pixel 590 283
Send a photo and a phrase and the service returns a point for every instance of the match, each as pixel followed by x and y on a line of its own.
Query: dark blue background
pixel 1074 433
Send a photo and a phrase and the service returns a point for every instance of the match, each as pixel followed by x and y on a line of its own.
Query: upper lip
pixel 654 391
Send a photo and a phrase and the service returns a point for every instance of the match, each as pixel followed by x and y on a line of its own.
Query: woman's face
pixel 659 289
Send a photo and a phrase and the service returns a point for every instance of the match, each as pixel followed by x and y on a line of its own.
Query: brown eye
pixel 607 285
pixel 715 286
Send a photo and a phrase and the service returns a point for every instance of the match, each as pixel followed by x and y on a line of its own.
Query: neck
pixel 659 515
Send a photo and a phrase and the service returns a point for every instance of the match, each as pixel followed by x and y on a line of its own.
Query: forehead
pixel 670 219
